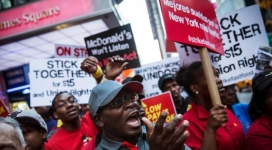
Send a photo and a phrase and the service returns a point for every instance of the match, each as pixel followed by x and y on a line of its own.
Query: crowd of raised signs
pixel 114 118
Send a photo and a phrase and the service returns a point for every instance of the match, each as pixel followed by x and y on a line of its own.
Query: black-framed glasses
pixel 70 101
pixel 120 101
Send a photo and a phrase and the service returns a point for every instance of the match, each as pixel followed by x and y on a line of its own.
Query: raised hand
pixel 89 65
pixel 114 68
pixel 169 137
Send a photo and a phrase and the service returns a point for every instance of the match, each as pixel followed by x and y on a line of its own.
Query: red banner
pixel 155 105
pixel 41 14
pixel 192 22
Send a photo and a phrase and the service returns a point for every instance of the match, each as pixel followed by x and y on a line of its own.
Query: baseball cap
pixel 105 92
pixel 28 117
pixel 138 78
pixel 164 78
pixel 262 80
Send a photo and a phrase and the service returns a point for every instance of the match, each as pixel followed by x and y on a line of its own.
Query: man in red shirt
pixel 74 133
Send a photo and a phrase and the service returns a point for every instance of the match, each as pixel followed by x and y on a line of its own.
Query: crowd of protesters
pixel 114 119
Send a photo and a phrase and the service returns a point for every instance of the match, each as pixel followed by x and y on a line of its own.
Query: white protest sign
pixel 242 32
pixel 152 72
pixel 70 51
pixel 51 76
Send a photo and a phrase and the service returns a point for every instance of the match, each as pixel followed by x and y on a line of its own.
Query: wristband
pixel 98 73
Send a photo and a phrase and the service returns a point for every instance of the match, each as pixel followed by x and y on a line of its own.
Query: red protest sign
pixel 155 105
pixel 192 22
pixel 3 110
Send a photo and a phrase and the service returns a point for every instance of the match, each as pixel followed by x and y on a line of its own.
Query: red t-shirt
pixel 228 137
pixel 47 147
pixel 259 135
pixel 74 140
pixel 90 145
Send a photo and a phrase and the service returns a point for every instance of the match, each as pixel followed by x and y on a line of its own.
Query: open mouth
pixel 72 112
pixel 134 120
pixel 221 89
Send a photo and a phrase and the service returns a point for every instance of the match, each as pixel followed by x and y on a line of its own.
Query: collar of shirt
pixel 143 134
pixel 202 113
pixel 109 144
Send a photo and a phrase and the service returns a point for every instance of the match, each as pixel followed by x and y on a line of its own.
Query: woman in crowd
pixel 259 134
pixel 211 127
pixel 240 110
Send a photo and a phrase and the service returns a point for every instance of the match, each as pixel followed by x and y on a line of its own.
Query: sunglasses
pixel 120 101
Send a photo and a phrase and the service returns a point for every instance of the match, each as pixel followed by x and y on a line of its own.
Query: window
pixel 8 4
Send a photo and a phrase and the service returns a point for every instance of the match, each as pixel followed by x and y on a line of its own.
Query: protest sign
pixel 154 105
pixel 117 41
pixel 243 32
pixel 51 76
pixel 151 74
pixel 192 22
pixel 3 110
pixel 70 51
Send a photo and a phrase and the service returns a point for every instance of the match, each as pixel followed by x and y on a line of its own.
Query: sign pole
pixel 207 67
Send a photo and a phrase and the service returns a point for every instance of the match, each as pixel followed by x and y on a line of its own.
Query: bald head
pixel 11 135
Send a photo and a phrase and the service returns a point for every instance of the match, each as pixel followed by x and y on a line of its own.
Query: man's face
pixel 173 87
pixel 34 137
pixel 84 108
pixel 67 108
pixel 121 123
pixel 9 139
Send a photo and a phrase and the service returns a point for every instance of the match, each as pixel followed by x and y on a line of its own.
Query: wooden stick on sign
pixel 207 67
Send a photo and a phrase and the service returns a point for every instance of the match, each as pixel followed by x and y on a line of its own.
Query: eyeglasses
pixel 70 101
pixel 120 101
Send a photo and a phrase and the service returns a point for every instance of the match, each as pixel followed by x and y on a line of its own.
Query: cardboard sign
pixel 51 76
pixel 152 72
pixel 155 105
pixel 70 51
pixel 192 22
pixel 117 41
pixel 243 32
pixel 3 110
